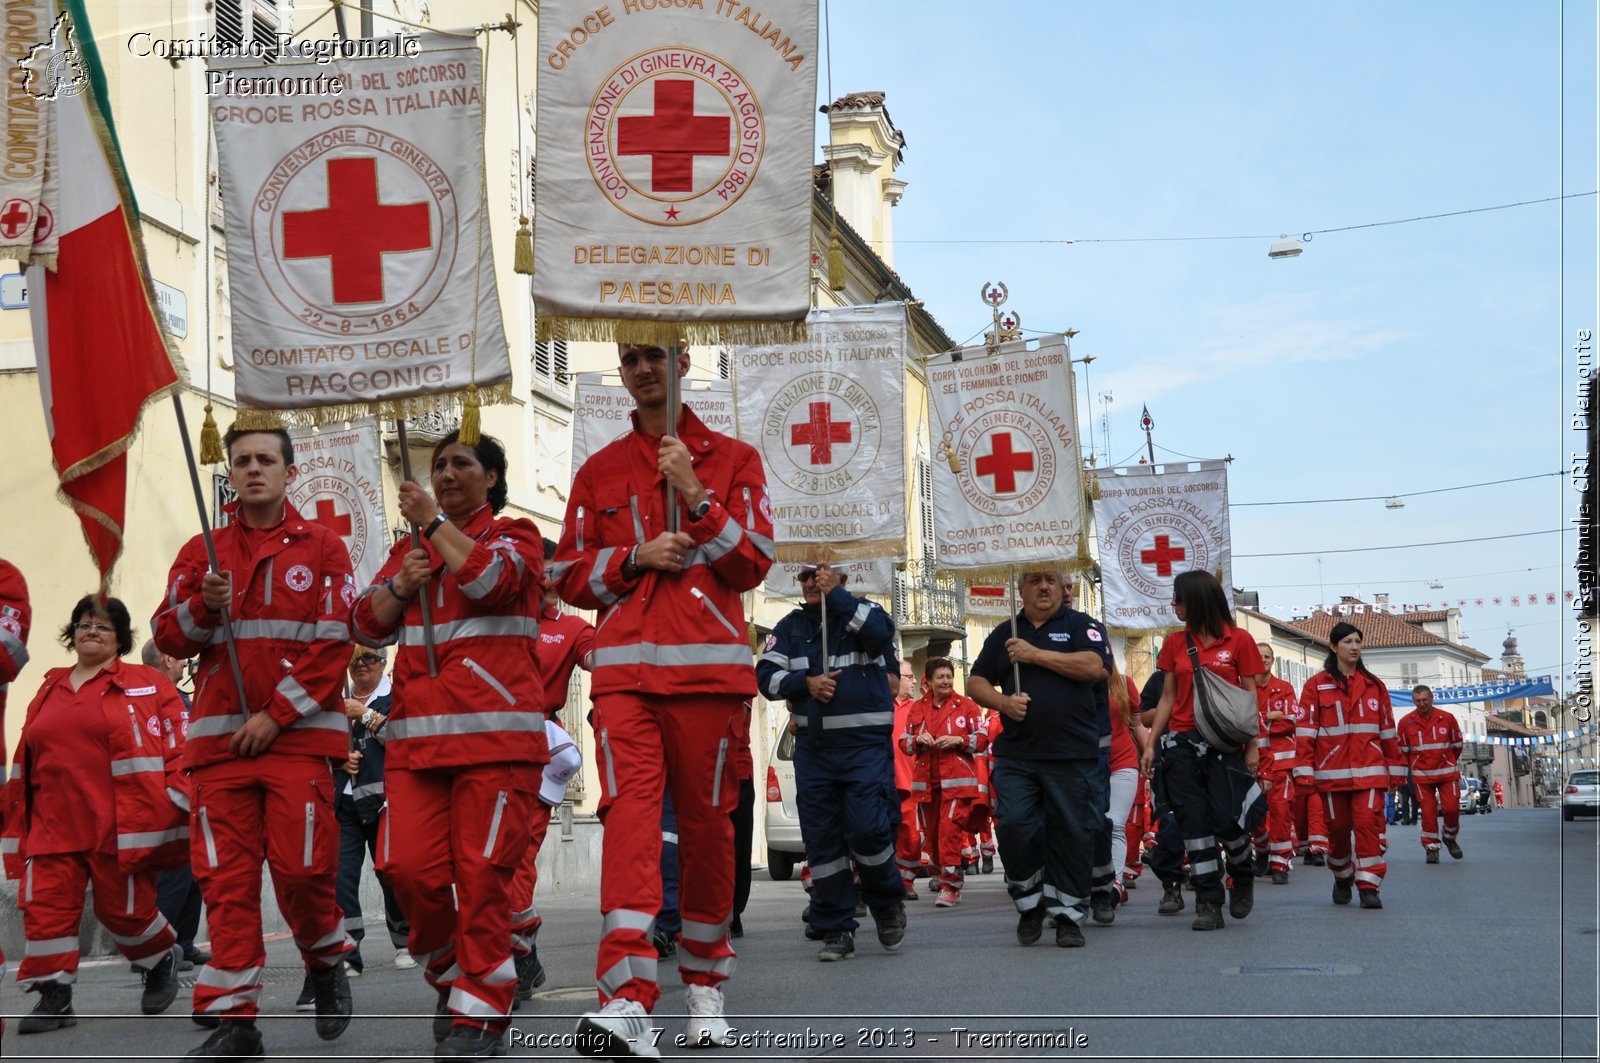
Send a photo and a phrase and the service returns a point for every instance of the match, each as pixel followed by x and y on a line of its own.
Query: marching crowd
pixel 298 751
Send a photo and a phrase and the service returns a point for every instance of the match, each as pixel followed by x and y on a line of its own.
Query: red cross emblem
pixel 673 136
pixel 1003 463
pixel 329 517
pixel 15 218
pixel 355 230
pixel 1163 555
pixel 821 431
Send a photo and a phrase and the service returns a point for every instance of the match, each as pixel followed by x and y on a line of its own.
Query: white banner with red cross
pixel 359 258
pixel 674 183
pixel 340 486
pixel 43 65
pixel 828 417
pixel 1154 522
pixel 1007 487
pixel 602 411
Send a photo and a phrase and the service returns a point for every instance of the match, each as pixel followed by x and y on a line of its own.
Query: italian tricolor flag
pixel 101 352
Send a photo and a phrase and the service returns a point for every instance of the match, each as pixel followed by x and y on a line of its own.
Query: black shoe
pixel 205 1020
pixel 840 945
pixel 233 1042
pixel 307 1000
pixel 1455 849
pixel 861 910
pixel 1433 857
pixel 1130 882
pixel 1069 935
pixel 1171 899
pixel 1103 908
pixel 1341 891
pixel 666 944
pixel 1263 865
pixel 813 934
pixel 1243 897
pixel 736 928
pixel 1316 860
pixel 198 957
pixel 443 1021
pixel 987 867
pixel 1280 878
pixel 53 1012
pixel 891 923
pixel 161 983
pixel 332 988
pixel 467 1041
pixel 1207 916
pixel 1030 926
pixel 1370 899
pixel 530 976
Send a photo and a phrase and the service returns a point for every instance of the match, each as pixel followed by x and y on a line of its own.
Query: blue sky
pixel 1381 361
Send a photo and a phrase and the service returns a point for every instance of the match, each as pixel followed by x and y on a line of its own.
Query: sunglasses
pixel 368 658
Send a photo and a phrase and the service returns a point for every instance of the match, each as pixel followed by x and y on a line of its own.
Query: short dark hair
pixel 113 610
pixel 1419 688
pixel 1203 602
pixel 549 549
pixel 491 454
pixel 935 663
pixel 235 433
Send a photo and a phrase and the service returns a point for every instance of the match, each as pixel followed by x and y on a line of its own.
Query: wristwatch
pixel 701 510
pixel 433 525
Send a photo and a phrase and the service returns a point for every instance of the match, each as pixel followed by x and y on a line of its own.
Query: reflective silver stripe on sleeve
pixel 486 579
pixel 14 648
pixel 509 552
pixel 1351 773
pixel 859 719
pixel 135 765
pixel 1351 729
pixel 691 655
pixel 761 543
pixel 724 542
pixel 465 723
pixel 215 726
pixel 296 695
pixel 472 628
pixel 371 789
pixel 965 780
pixel 775 684
pixel 190 625
pixel 597 577
pixel 776 658
pixel 847 660
pixel 558 569
pixel 151 838
pixel 856 622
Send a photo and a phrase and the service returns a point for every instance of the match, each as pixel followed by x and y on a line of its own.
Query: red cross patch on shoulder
pixel 1094 635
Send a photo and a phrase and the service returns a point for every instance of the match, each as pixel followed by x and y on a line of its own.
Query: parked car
pixel 784 845
pixel 1582 794
pixel 1475 797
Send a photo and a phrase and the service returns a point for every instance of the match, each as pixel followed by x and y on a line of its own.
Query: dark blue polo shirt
pixel 1067 718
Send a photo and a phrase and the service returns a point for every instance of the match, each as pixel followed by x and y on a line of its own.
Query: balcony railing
pixel 924 599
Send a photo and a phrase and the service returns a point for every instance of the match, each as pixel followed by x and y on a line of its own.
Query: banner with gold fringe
pixel 359 257
pixel 673 188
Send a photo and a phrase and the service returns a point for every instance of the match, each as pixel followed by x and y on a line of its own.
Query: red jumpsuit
pixel 1275 773
pixel 946 780
pixel 673 669
pixel 1346 741
pixel 565 641
pixel 291 590
pixel 89 801
pixel 15 619
pixel 465 752
pixel 1432 742
pixel 908 841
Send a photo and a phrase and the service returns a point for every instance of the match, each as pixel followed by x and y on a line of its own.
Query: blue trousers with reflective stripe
pixel 849 813
pixel 1047 813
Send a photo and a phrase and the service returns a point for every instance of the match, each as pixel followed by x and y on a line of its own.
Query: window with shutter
pixel 925 504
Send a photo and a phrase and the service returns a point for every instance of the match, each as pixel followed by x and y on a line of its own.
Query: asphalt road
pixel 1494 956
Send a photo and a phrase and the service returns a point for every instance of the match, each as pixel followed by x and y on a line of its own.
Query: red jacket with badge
pixel 565 639
pixel 1277 742
pixel 15 617
pixel 955 770
pixel 1346 736
pixel 144 729
pixel 486 705
pixel 1432 742
pixel 292 589
pixel 668 633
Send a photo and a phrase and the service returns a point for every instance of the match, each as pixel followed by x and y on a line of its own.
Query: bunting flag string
pixel 1515 601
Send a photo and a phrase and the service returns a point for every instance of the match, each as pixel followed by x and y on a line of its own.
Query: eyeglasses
pixel 806 577
pixel 367 658
pixel 86 626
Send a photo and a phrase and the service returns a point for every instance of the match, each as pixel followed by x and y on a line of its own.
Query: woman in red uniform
pixel 1346 739
pixel 466 742
pixel 1127 740
pixel 88 802
pixel 944 730
pixel 1212 791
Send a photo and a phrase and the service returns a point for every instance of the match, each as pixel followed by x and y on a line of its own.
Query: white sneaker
pixel 707 1028
pixel 620 1030
pixel 403 960
pixel 351 970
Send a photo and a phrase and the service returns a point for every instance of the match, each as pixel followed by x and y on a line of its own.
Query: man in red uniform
pixel 673 668
pixel 261 767
pixel 15 619
pixel 908 839
pixel 1431 741
pixel 566 641
pixel 1274 839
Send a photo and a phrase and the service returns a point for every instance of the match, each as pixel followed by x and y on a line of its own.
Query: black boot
pixel 1243 897
pixel 333 1000
pixel 467 1041
pixel 1171 899
pixel 1207 915
pixel 443 1021
pixel 530 976
pixel 161 983
pixel 233 1042
pixel 53 1012
pixel 988 865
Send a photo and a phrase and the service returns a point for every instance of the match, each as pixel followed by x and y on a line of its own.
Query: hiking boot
pixel 1455 848
pixel 1432 857
pixel 1069 935
pixel 987 867
pixel 53 1012
pixel 706 1027
pixel 1263 865
pixel 333 1005
pixel 840 945
pixel 233 1042
pixel 666 944
pixel 891 923
pixel 530 976
pixel 1370 899
pixel 307 1000
pixel 161 983
pixel 620 1030
pixel 1280 878
pixel 1103 908
pixel 1030 926
pixel 1171 899
pixel 1207 916
pixel 1341 891
pixel 467 1041
pixel 948 898
pixel 1243 897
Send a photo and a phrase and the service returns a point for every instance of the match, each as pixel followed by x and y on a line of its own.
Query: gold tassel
pixel 836 274
pixel 1218 573
pixel 1083 546
pixel 249 419
pixel 522 260
pixel 471 427
pixel 953 458
pixel 210 440
pixel 1094 488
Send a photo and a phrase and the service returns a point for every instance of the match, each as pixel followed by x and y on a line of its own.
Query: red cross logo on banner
pixel 329 517
pixel 673 136
pixel 821 431
pixel 16 218
pixel 1163 555
pixel 355 230
pixel 1003 463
